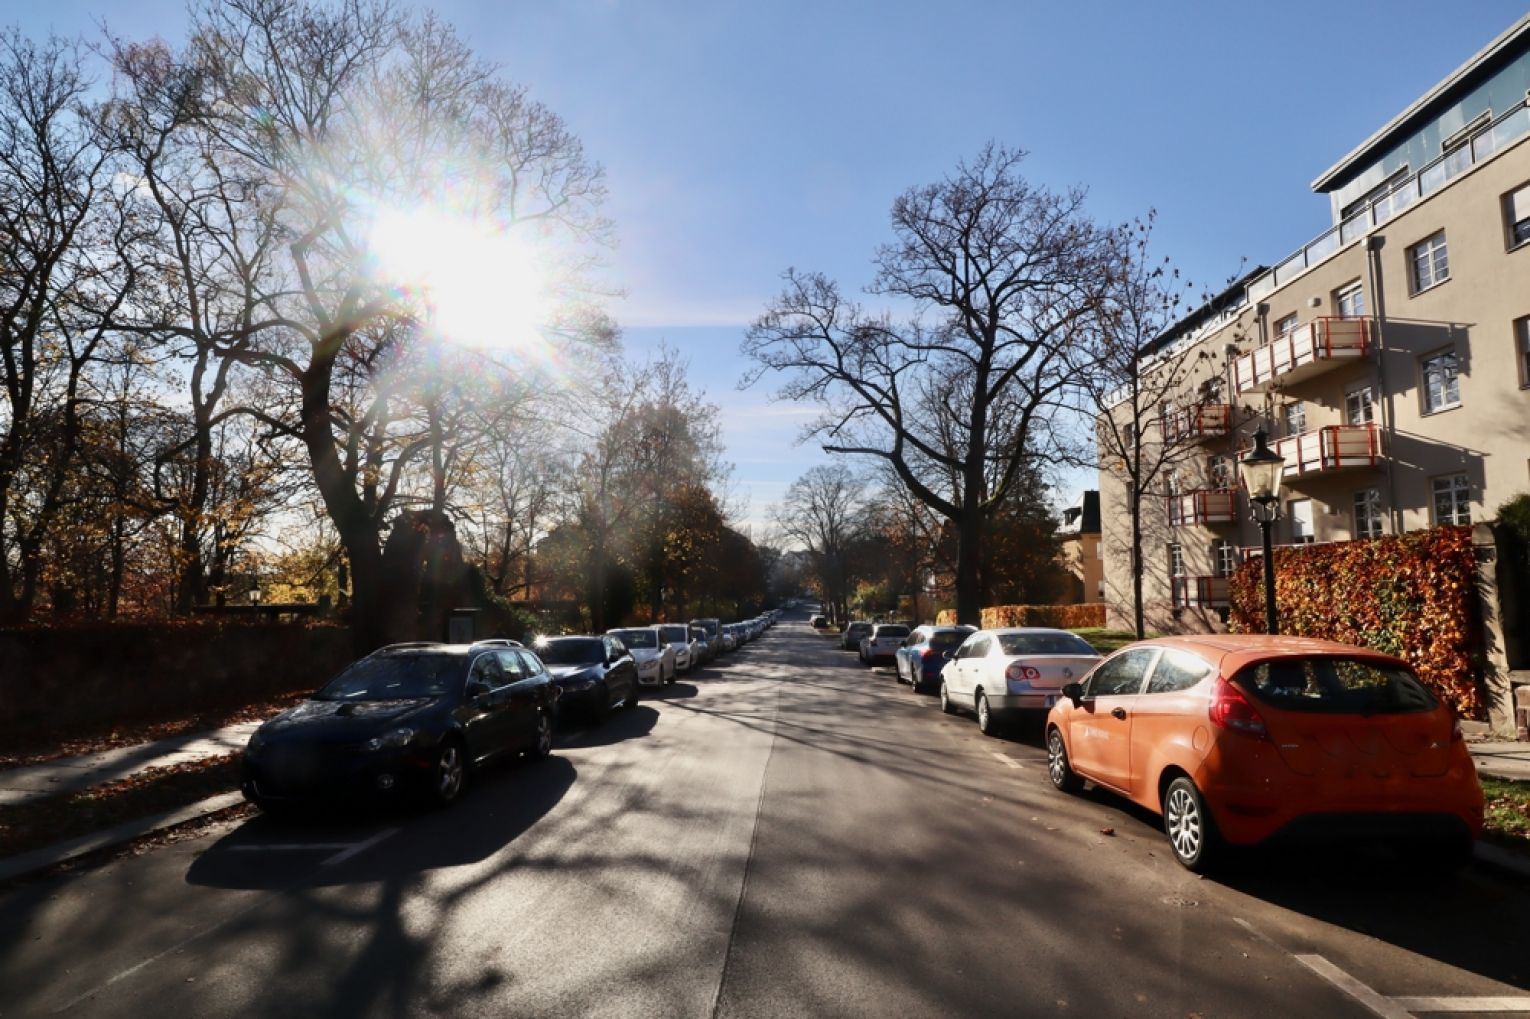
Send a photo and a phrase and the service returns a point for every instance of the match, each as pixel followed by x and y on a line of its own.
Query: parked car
pixel 850 637
pixel 818 622
pixel 713 626
pixel 1001 673
pixel 706 646
pixel 924 654
pixel 678 637
pixel 406 720
pixel 593 674
pixel 1238 739
pixel 882 643
pixel 655 659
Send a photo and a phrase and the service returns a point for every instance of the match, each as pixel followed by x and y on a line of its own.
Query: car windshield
pixel 1043 644
pixel 892 631
pixel 1337 686
pixel 395 677
pixel 675 634
pixel 948 639
pixel 571 651
pixel 638 638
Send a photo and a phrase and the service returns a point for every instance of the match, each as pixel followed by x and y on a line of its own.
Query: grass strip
pixel 1506 813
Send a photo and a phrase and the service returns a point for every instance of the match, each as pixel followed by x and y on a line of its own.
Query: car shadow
pixel 498 805
pixel 675 691
pixel 632 723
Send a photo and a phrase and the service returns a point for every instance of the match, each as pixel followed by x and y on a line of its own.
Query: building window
pixel 1452 500
pixel 1349 300
pixel 1226 558
pixel 1286 326
pixel 1212 389
pixel 1429 261
pixel 1295 415
pixel 1368 513
pixel 1300 512
pixel 1176 559
pixel 1219 469
pixel 1516 215
pixel 1522 344
pixel 1441 384
pixel 1360 405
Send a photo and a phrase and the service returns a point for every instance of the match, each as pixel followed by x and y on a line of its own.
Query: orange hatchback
pixel 1239 739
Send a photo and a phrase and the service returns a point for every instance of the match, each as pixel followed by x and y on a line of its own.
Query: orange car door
pixel 1164 721
pixel 1100 734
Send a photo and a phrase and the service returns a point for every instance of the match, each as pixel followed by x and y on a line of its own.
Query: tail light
pixel 1231 710
pixel 1017 672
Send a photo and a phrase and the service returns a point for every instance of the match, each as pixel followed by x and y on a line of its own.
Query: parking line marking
pixel 1385 1007
pixel 1008 760
pixel 1464 1004
pixel 360 847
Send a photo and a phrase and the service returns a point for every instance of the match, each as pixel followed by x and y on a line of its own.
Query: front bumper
pixel 299 773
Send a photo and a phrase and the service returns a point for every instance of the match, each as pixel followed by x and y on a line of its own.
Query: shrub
pixel 1063 617
pixel 1410 595
pixel 945 617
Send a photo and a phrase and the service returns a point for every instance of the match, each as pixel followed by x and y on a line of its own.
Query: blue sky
pixel 741 139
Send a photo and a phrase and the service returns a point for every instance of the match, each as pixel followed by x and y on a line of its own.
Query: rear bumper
pixel 1017 703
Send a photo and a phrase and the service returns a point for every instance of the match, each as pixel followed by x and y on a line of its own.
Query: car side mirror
pixel 1074 692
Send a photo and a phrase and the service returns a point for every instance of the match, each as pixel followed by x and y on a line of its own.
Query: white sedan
pixel 655 659
pixel 1000 674
pixel 678 637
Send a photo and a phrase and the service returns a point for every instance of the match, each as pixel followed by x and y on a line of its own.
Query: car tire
pixel 449 772
pixel 1187 823
pixel 543 745
pixel 988 725
pixel 945 700
pixel 1058 769
pixel 913 683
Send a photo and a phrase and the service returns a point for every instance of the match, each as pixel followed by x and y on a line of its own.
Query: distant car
pixel 925 652
pixel 999 674
pixel 850 637
pixel 406 720
pixel 882 643
pixel 655 659
pixel 818 622
pixel 1235 740
pixel 593 674
pixel 678 637
pixel 706 646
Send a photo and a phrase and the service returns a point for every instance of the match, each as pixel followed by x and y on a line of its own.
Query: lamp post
pixel 1262 470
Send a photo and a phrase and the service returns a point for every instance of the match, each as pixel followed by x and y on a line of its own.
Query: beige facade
pixel 1389 360
pixel 1080 552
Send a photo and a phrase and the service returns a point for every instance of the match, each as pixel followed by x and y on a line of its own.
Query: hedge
pixel 1066 617
pixel 1410 595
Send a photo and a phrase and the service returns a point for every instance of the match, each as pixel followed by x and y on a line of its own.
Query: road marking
pixel 1255 932
pixel 1382 1006
pixel 1463 1004
pixel 360 847
pixel 1008 760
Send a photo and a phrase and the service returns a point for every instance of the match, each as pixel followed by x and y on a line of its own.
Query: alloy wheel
pixel 1182 820
pixel 449 770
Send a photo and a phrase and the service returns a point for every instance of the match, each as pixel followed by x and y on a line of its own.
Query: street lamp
pixel 1262 470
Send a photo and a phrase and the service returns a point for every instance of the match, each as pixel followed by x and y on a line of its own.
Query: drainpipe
pixel 1373 246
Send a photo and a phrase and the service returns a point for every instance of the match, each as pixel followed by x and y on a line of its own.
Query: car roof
pixel 996 630
pixel 1231 652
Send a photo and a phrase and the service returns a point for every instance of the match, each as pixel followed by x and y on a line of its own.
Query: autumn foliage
pixel 1066 617
pixel 1410 595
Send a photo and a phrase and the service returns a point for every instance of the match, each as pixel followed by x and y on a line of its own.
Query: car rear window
pixel 948 639
pixel 1337 686
pixel 1043 644
pixel 892 631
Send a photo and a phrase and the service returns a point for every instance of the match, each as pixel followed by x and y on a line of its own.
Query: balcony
pixel 1194 424
pixel 1201 592
pixel 1310 349
pixel 1334 448
pixel 1207 506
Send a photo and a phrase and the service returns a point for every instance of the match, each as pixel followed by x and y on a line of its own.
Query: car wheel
pixel 945 700
pixel 1058 769
pixel 449 774
pixel 987 724
pixel 544 742
pixel 1186 821
pixel 914 684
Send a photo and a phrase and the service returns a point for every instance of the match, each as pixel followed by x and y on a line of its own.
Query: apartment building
pixel 1079 552
pixel 1389 358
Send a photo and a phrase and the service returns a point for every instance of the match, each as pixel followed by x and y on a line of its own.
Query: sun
pixel 482 284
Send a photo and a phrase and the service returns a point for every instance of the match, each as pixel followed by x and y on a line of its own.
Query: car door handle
pixel 1117 712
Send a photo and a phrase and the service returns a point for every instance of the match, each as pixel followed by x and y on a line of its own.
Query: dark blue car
pixel 923 654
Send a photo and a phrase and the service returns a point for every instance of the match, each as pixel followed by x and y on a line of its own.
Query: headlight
pixel 390 741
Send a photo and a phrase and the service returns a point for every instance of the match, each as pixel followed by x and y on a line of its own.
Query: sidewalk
pixel 71 774
pixel 1502 759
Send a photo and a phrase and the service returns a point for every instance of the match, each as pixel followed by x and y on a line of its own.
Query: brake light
pixel 1017 672
pixel 1231 710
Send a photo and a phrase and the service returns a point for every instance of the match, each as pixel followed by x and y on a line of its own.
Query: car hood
pixel 571 671
pixel 320 719
pixel 643 654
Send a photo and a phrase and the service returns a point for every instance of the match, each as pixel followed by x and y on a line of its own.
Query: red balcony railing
pixel 1309 349
pixel 1193 423
pixel 1206 506
pixel 1201 592
pixel 1332 448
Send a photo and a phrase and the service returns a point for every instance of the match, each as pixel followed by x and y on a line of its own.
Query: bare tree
pixel 823 512
pixel 1010 274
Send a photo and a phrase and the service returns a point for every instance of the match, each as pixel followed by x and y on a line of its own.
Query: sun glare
pixel 483 286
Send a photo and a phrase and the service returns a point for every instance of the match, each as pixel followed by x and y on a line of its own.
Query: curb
pixel 1496 857
pixel 49 856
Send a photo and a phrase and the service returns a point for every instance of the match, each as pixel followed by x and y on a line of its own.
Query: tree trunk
pixel 1138 620
pixel 969 560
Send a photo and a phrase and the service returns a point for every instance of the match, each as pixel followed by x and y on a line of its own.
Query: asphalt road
pixel 784 834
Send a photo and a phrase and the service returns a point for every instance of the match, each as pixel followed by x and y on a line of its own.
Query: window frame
pixel 1522 349
pixel 1366 390
pixel 1435 253
pixel 1287 324
pixel 1369 499
pixel 1295 410
pixel 1424 362
pixel 1147 670
pixel 1516 231
pixel 1310 538
pixel 1460 482
pixel 1354 288
pixel 1181 659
